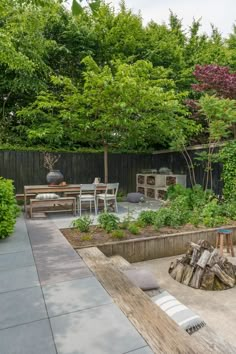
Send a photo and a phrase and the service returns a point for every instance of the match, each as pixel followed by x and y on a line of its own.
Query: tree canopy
pixel 99 76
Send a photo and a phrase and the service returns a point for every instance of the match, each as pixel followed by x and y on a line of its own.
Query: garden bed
pixel 97 236
pixel 149 244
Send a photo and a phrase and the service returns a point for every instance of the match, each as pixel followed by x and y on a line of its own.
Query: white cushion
pixel 85 196
pixel 47 196
pixel 103 196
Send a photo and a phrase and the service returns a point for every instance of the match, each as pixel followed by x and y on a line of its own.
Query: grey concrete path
pixel 50 302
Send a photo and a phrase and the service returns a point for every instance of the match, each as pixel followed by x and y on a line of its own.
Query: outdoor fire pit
pixel 202 267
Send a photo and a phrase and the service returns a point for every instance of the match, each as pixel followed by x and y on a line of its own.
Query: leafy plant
pixel 134 229
pixel 126 221
pixel 108 222
pixel 83 223
pixel 86 237
pixel 211 214
pixel 8 207
pixel 118 234
pixel 162 218
pixel 147 217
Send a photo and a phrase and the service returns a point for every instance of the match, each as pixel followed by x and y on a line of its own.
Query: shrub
pixel 212 215
pixel 118 234
pixel 175 191
pixel 162 218
pixel 8 207
pixel 82 224
pixel 147 217
pixel 108 222
pixel 133 229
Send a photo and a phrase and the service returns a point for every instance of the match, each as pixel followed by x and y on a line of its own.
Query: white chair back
pixel 112 187
pixel 87 189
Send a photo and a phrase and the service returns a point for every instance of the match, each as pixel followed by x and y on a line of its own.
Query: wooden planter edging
pixel 144 249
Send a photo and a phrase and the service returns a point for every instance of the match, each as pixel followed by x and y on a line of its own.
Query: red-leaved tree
pixel 215 79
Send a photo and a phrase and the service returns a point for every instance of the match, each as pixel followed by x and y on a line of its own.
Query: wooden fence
pixel 26 167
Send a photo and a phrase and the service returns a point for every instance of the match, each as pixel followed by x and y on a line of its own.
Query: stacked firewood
pixel 202 267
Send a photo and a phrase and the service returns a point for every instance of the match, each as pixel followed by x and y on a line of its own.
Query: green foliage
pixel 100 76
pixel 118 234
pixel 108 222
pixel 86 237
pixel 211 214
pixel 227 156
pixel 147 217
pixel 8 207
pixel 82 224
pixel 194 206
pixel 133 229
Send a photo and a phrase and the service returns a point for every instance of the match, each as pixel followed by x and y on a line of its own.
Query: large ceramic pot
pixel 54 177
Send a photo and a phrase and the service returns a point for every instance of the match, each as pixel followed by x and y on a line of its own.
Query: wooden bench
pixel 51 202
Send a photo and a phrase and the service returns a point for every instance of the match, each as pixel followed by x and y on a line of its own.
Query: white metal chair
pixel 110 194
pixel 87 194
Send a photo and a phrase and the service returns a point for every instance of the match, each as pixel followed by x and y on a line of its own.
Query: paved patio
pixel 50 302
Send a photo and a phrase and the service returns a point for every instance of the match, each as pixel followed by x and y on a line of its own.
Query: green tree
pixel 133 106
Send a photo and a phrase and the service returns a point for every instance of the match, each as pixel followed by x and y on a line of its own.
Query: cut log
pixel 187 274
pixel 214 258
pixel 225 278
pixel 195 257
pixel 208 280
pixel 202 262
pixel 206 245
pixel 196 278
pixel 195 246
pixel 177 272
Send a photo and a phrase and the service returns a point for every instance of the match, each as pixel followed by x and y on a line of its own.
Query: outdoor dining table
pixel 69 188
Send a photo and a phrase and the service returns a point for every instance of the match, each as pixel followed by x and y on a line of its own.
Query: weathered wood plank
pixel 160 332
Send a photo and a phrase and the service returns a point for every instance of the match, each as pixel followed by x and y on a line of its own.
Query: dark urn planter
pixel 54 177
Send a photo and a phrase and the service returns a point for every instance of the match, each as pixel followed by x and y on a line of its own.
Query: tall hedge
pixel 8 207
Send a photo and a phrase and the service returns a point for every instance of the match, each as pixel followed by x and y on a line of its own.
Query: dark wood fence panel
pixel 26 168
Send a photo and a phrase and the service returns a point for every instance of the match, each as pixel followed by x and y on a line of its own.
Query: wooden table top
pixel 68 187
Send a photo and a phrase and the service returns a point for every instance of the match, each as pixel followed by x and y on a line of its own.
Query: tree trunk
pixel 105 163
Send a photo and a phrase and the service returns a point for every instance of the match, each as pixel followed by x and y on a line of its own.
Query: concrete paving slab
pixel 101 330
pixel 12 244
pixel 75 295
pixel 21 278
pixel 52 273
pixel 21 306
pixel 32 338
pixel 16 260
pixel 144 350
pixel 44 233
pixel 54 252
